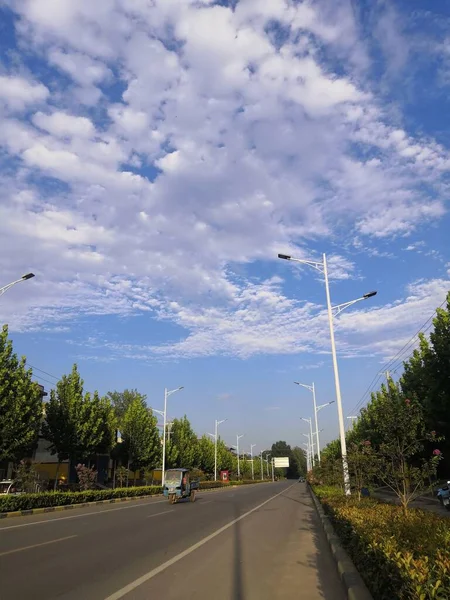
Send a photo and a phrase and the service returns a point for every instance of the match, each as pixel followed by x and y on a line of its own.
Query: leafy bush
pixel 400 557
pixel 86 476
pixel 12 502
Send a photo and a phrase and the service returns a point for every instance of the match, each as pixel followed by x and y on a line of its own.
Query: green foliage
pixel 363 465
pixel 399 556
pixel 205 455
pixel 184 439
pixel 77 425
pixel 120 401
pixel 20 404
pixel 12 502
pixel 26 477
pixel 141 442
pixel 297 460
pixel 427 377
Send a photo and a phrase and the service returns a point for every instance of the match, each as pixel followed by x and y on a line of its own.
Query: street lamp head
pixel 181 387
pixel 284 256
pixel 27 276
pixel 369 295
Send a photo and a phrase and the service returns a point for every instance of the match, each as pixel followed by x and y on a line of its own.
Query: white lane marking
pixel 37 545
pixel 101 512
pixel 138 582
pixel 158 514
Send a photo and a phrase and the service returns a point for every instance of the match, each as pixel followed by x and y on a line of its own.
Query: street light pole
pixel 238 437
pixel 166 395
pixel 322 267
pixel 309 450
pixel 215 447
pixel 311 439
pixel 9 285
pixel 307 456
pixel 312 389
pixel 251 456
pixel 262 468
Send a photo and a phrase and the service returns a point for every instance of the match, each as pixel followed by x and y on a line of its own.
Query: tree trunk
pixel 56 475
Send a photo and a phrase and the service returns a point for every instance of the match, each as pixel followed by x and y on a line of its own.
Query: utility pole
pixel 262 468
pixel 251 456
pixel 238 437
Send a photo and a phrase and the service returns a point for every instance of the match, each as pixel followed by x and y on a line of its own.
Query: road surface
pixel 428 503
pixel 257 542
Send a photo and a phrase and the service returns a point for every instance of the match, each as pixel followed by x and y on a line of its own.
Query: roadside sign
pixel 281 462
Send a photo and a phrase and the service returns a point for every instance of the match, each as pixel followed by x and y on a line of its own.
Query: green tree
pixel 298 462
pixel 62 413
pixel 363 465
pixel 184 439
pixel 403 433
pixel 120 401
pixel 77 425
pixel 141 442
pixel 205 455
pixel 20 404
pixel 282 449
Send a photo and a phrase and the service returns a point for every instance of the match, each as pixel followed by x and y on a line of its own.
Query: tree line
pixel 401 439
pixel 79 425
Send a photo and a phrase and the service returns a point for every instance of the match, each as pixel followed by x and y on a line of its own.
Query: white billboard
pixel 280 462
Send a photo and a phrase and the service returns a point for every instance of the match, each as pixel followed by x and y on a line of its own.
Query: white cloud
pixel 18 92
pixel 61 124
pixel 209 141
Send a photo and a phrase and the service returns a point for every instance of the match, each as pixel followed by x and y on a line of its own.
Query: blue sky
pixel 154 161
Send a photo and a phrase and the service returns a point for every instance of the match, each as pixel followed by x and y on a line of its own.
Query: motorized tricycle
pixel 443 495
pixel 178 485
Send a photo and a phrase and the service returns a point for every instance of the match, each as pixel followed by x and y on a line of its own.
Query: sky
pixel 157 155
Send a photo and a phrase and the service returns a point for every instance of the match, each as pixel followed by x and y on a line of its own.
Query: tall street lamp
pixel 262 467
pixel 251 457
pixel 311 439
pixel 312 389
pixel 215 436
pixel 309 456
pixel 167 393
pixel 9 285
pixel 323 268
pixel 238 437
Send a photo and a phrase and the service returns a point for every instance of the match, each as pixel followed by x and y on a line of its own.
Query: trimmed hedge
pixel 400 557
pixel 14 502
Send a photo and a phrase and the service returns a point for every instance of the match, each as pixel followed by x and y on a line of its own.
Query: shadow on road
pixel 238 584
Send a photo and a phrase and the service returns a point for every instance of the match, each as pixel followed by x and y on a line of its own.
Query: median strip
pixel 353 582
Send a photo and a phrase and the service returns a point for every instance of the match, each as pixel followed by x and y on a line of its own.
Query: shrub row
pixel 400 556
pixel 13 502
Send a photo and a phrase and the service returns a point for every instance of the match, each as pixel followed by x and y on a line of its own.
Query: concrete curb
pixel 354 585
pixel 48 509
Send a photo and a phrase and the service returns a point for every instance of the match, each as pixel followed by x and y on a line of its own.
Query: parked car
pixel 8 486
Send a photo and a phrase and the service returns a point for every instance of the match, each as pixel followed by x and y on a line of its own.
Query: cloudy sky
pixel 156 155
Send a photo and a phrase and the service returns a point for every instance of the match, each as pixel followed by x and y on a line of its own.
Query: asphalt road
pixel 260 542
